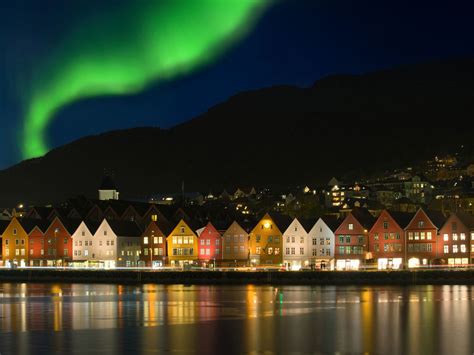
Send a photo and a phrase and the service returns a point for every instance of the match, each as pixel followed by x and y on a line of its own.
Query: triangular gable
pixel 420 215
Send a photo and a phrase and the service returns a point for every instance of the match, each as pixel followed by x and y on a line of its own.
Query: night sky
pixel 291 42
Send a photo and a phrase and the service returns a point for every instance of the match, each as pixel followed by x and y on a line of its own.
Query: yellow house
pixel 15 244
pixel 266 242
pixel 182 245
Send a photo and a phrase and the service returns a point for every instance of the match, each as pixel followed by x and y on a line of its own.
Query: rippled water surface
pixel 79 318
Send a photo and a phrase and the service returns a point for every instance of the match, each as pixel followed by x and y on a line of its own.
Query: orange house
pixel 58 241
pixel 266 242
pixel 36 243
pixel 15 242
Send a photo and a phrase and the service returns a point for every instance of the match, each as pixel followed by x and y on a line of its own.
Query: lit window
pixel 446 249
pixel 428 235
pixel 455 236
pixel 455 248
pixel 145 240
pixel 351 226
pixel 463 248
pixel 270 251
pixel 445 237
pixel 463 236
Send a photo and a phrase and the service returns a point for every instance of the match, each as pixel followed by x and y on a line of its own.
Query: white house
pixel 117 243
pixel 321 242
pixel 296 253
pixel 85 249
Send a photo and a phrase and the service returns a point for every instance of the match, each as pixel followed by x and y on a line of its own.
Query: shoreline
pixel 405 277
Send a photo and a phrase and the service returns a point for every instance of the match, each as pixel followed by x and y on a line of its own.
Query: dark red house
pixel 352 242
pixel 387 239
pixel 421 237
pixel 454 240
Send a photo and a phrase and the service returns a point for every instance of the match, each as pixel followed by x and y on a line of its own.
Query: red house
pixel 421 237
pixel 58 241
pixel 352 242
pixel 387 239
pixel 454 239
pixel 36 243
pixel 210 245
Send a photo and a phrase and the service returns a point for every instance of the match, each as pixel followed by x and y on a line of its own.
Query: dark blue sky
pixel 296 42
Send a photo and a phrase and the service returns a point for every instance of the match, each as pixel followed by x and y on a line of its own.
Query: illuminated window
pixel 376 236
pixel 428 235
pixel 351 226
pixel 446 249
pixel 270 251
pixel 417 236
pixel 463 248
pixel 410 235
pixel 277 251
pixel 257 250
pixel 145 240
pixel 154 217
pixel 455 236
pixel 421 224
pixel 463 236
pixel 422 235
pixel 455 248
pixel 445 237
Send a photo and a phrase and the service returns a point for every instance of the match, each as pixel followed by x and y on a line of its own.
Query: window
pixel 31 251
pixel 218 242
pixel 341 250
pixel 154 217
pixel 417 236
pixel 242 249
pixel 17 251
pixel 455 248
pixel 422 235
pixel 292 251
pixel 321 241
pixel 472 235
pixel 155 240
pixel 385 236
pixel 385 225
pixel 296 229
pixel 257 239
pixel 6 241
pixel 341 239
pixel 160 240
pixel 410 235
pixel 376 236
pixel 14 231
pixel 386 247
pixel 361 240
pixel 445 237
pixel 348 250
pixel 351 226
pixel 277 251
pixel 348 238
pixel 315 252
pixel 421 224
pixel 257 250
pixel 315 241
pixel 270 239
pixel 455 236
pixel 145 251
pixel 86 252
pixel 454 226
pixel 301 239
pixel 208 242
pixel 242 240
pixel 17 242
pixel 208 251
pixel 376 247
pixel 182 229
pixel 328 241
pixel 292 239
pixel 83 233
pixel 287 251
pixel 217 251
pixel 428 235
pixel 145 240
pixel 42 251
pixel 270 250
pixel 463 248
pixel 301 251
pixel 202 241
pixel 462 236
pixel 105 231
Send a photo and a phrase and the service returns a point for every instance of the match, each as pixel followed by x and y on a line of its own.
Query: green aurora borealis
pixel 126 50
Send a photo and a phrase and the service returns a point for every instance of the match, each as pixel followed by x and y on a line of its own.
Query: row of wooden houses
pixel 391 240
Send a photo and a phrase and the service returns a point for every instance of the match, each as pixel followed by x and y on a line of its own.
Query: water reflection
pixel 111 318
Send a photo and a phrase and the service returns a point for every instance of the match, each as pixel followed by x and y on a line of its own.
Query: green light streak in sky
pixel 128 49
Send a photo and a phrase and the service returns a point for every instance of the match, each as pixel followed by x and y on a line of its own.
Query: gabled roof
pixel 125 228
pixel 364 217
pixel 402 218
pixel 332 222
pixel 466 219
pixel 42 211
pixel 436 217
pixel 282 221
pixel 29 224
pixel 92 226
pixel 308 223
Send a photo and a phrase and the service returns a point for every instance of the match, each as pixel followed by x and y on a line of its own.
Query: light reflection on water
pixel 110 318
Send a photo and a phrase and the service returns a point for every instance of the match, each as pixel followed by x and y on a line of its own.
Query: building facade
pixel 295 246
pixel 235 246
pixel 182 245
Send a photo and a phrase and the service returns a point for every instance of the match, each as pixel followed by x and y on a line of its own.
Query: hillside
pixel 342 125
